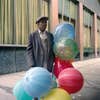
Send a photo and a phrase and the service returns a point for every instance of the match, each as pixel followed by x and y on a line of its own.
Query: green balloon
pixel 19 92
pixel 66 49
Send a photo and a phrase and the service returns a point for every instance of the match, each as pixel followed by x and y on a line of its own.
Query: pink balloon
pixel 61 65
pixel 71 80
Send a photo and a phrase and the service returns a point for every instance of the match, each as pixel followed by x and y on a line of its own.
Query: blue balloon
pixel 64 30
pixel 37 81
pixel 20 93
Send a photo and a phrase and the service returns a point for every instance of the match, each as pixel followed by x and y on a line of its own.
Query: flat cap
pixel 40 18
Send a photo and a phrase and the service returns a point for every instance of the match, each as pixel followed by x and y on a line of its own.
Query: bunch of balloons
pixel 38 82
pixel 66 49
pixel 65 79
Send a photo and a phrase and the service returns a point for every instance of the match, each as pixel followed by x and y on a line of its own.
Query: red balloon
pixel 71 80
pixel 60 65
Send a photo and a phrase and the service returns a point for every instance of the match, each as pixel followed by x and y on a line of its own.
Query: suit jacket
pixel 35 51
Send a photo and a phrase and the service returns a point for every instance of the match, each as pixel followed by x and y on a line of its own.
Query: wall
pixel 12 59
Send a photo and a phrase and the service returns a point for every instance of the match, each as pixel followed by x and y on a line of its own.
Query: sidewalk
pixel 91 72
pixel 7 82
pixel 90 91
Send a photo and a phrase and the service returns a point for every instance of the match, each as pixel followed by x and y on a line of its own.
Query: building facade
pixel 17 20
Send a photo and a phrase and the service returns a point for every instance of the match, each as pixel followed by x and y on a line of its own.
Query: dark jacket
pixel 35 52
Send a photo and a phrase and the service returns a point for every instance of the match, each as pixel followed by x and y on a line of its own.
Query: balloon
pixel 71 80
pixel 57 94
pixel 66 49
pixel 20 93
pixel 37 81
pixel 61 65
pixel 64 30
pixel 54 82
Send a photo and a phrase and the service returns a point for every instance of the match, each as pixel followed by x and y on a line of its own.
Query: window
pixel 88 33
pixel 87 28
pixel 67 11
pixel 98 32
pixel 17 19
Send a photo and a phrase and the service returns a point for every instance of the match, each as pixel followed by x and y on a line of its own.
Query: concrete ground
pixel 90 91
pixel 91 72
pixel 7 82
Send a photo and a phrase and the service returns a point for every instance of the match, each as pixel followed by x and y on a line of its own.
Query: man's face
pixel 42 25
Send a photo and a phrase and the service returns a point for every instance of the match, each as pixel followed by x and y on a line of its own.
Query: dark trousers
pixel 35 98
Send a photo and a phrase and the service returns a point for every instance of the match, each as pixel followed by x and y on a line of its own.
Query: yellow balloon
pixel 57 94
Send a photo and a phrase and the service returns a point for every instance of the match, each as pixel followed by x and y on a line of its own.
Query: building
pixel 17 20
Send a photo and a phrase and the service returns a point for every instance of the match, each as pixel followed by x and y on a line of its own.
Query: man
pixel 40 47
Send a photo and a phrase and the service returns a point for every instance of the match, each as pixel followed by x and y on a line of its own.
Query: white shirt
pixel 43 35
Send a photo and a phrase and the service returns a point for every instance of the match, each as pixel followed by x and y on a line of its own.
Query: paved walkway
pixel 91 72
pixel 7 82
pixel 90 91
